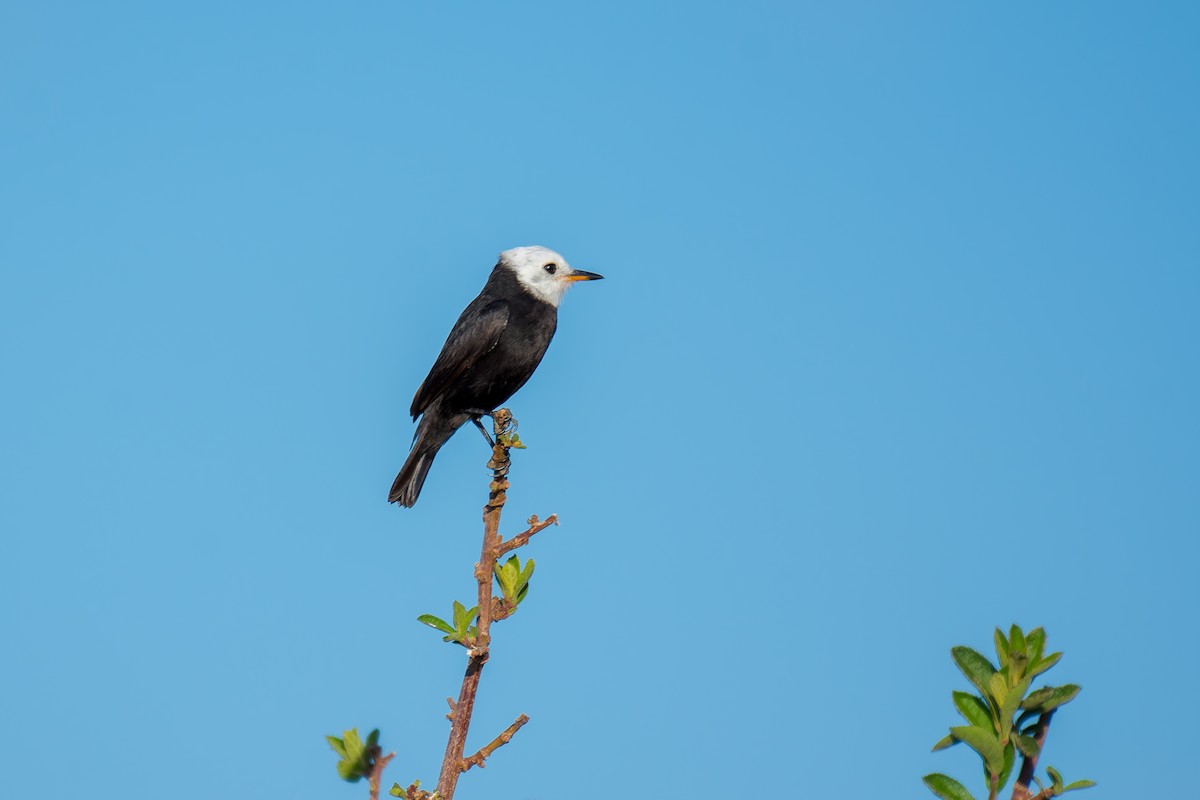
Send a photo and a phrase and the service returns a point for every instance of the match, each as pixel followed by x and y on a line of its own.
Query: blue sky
pixel 898 343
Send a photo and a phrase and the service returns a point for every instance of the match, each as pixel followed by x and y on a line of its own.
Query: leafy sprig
pixel 999 717
pixel 462 631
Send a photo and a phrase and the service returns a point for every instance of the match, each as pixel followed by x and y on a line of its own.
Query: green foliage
pixel 462 630
pixel 413 789
pixel 357 757
pixel 946 787
pixel 992 732
pixel 973 710
pixel 1057 787
pixel 514 579
pixel 1049 697
pixel 984 741
pixel 977 669
pixel 512 440
pixel 1010 759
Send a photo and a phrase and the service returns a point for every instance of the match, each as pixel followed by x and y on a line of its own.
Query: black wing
pixel 472 337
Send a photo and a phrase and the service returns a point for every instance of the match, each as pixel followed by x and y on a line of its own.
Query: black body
pixel 496 344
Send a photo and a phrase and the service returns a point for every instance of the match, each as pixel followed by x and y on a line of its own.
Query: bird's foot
pixel 503 422
pixel 505 425
pixel 482 429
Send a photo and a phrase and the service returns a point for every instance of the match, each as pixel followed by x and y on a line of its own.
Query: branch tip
pixel 376 776
pixel 485 752
pixel 522 539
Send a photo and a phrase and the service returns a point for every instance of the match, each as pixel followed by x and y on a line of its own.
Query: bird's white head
pixel 544 273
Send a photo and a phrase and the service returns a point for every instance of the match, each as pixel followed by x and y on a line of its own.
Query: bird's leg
pixel 475 415
pixel 483 430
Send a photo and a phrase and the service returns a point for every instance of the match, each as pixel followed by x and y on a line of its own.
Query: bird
pixel 492 350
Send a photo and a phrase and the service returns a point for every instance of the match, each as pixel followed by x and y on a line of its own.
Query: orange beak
pixel 580 275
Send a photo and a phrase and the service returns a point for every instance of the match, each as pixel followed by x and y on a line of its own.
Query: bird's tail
pixel 407 486
pixel 432 433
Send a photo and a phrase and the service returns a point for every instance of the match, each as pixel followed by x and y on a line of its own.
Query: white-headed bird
pixel 492 350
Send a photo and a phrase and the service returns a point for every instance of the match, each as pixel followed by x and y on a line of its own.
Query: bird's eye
pixel 551 267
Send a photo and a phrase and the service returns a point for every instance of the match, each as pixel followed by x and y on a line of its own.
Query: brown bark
pixel 1021 790
pixel 453 763
pixel 380 762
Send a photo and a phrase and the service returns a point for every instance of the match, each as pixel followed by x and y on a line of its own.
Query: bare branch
pixel 484 752
pixel 522 539
pixel 1029 763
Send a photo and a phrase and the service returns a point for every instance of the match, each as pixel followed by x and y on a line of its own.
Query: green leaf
pixel 1044 664
pixel 998 690
pixel 946 787
pixel 527 572
pixel 972 709
pixel 1016 641
pixel 944 742
pixel 506 576
pixel 1011 704
pixel 512 577
pixel 437 622
pixel 401 791
pixel 353 744
pixel 1010 758
pixel 984 742
pixel 1050 697
pixel 1027 745
pixel 356 758
pixel 1001 646
pixel 337 745
pixel 463 617
pixel 1056 778
pixel 373 739
pixel 349 770
pixel 1073 785
pixel 977 669
pixel 1018 653
pixel 1035 643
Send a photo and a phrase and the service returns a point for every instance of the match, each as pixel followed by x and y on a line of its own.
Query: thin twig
pixel 484 752
pixel 1029 764
pixel 522 539
pixel 377 767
